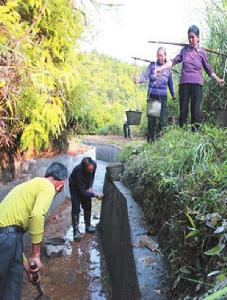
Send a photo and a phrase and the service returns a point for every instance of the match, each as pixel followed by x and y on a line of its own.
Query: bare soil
pixel 80 273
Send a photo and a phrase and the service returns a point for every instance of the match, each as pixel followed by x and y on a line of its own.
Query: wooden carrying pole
pixel 147 60
pixel 183 45
pixel 138 58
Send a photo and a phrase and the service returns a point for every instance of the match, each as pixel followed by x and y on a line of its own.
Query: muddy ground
pixel 80 273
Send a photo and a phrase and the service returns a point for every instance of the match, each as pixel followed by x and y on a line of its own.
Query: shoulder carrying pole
pixel 147 60
pixel 183 45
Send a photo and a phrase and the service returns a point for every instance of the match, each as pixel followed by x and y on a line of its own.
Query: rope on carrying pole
pixel 137 58
pixel 184 44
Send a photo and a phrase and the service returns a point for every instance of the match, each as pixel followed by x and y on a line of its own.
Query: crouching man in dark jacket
pixel 80 186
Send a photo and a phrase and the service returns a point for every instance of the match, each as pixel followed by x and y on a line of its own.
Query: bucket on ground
pixel 133 117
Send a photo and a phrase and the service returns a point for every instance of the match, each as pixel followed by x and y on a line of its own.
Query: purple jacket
pixel 193 61
pixel 157 84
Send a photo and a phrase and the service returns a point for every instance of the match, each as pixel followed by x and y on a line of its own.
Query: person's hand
pixel 33 273
pixel 98 195
pixel 158 71
pixel 221 82
pixel 35 260
pixel 90 190
pixel 136 80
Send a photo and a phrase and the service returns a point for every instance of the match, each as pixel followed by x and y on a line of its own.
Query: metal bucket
pixel 115 169
pixel 154 108
pixel 133 117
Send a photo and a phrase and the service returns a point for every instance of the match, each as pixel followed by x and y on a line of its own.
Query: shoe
pixel 90 229
pixel 76 232
pixel 87 220
pixel 76 235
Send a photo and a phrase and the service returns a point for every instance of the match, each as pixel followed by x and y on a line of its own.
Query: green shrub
pixel 111 129
pixel 181 183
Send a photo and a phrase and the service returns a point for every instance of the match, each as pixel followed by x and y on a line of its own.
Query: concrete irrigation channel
pixel 120 262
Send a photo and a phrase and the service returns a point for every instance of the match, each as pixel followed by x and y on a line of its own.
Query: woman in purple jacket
pixel 157 90
pixel 194 60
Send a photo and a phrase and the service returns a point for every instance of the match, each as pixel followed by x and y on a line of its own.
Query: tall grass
pixel 181 182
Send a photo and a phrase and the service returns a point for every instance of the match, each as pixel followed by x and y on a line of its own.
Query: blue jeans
pixel 11 263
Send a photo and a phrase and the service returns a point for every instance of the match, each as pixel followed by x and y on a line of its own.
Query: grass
pixel 181 183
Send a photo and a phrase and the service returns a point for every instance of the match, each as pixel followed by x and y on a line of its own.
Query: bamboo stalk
pixel 184 44
pixel 8 118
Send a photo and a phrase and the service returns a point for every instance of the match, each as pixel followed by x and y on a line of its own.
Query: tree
pixel 37 59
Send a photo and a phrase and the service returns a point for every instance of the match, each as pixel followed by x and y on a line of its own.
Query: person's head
pixel 193 35
pixel 161 55
pixel 57 174
pixel 87 165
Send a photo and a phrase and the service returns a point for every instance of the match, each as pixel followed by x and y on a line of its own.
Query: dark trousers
pixel 11 264
pixel 155 125
pixel 187 92
pixel 78 201
pixel 127 131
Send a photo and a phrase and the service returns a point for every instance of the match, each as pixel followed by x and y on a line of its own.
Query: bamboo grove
pixel 46 86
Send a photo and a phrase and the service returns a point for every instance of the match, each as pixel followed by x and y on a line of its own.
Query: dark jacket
pixel 80 181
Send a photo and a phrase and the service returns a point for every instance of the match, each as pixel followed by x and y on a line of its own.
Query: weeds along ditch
pixel 181 183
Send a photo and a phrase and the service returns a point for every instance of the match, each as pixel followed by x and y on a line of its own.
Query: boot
pixel 87 220
pixel 76 232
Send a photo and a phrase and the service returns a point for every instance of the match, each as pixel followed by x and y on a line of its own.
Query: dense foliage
pixel 105 91
pixel 37 50
pixel 37 55
pixel 47 88
pixel 181 183
pixel 216 37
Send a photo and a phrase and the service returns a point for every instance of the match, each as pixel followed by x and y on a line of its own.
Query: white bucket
pixel 154 108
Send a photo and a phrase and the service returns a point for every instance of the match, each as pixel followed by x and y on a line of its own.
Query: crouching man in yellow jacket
pixel 24 208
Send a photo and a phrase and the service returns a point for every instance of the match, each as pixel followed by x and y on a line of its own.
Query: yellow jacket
pixel 26 205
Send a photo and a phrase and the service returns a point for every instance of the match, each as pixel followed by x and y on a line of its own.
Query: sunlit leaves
pixel 107 91
pixel 215 250
pixel 42 36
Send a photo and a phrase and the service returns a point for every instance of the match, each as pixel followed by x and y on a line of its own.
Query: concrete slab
pixel 136 272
